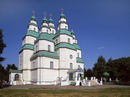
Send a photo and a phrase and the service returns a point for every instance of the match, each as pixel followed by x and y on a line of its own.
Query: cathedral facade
pixel 49 56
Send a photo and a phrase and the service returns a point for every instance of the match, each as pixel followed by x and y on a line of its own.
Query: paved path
pixel 64 87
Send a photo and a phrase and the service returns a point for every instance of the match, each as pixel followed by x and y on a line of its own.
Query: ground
pixel 65 91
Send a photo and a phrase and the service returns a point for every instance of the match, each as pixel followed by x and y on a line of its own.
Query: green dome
pixel 33 18
pixel 62 16
pixel 50 20
pixel 106 74
pixel 44 20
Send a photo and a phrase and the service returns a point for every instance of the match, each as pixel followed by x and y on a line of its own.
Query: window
pixel 33 65
pixel 71 56
pixel 34 29
pixel 49 48
pixel 56 41
pixel 71 66
pixel 65 27
pixel 52 31
pixel 51 65
pixel 68 40
pixel 78 55
pixel 36 47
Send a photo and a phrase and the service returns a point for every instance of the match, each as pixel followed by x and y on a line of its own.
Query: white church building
pixel 49 56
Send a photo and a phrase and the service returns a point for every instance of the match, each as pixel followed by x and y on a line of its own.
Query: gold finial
pixel 62 10
pixel 33 12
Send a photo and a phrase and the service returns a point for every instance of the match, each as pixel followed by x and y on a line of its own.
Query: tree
pixel 2 46
pixel 111 69
pixel 99 67
pixel 2 70
pixel 89 73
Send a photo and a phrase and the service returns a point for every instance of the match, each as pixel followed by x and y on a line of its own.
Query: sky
pixel 102 27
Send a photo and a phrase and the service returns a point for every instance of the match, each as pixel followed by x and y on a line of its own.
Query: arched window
pixel 52 31
pixel 78 55
pixel 71 66
pixel 65 27
pixel 34 29
pixel 71 56
pixel 56 41
pixel 51 65
pixel 49 48
pixel 36 48
pixel 68 40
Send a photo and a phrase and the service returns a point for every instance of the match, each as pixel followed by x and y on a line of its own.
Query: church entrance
pixel 16 77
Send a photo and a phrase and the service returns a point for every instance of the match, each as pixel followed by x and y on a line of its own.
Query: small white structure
pixel 49 57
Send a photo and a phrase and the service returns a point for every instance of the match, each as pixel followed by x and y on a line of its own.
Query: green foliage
pixel 119 68
pixel 2 45
pixel 89 73
pixel 1 75
pixel 99 67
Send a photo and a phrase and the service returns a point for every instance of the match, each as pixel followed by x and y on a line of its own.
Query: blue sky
pixel 102 27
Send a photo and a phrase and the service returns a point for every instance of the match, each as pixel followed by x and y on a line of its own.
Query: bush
pixel 1 84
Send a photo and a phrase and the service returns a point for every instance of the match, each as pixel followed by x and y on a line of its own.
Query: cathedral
pixel 49 56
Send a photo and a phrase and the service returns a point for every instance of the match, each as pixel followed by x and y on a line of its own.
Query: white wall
pixel 27 76
pixel 26 59
pixel 32 27
pixel 34 75
pixel 45 62
pixel 28 40
pixel 62 19
pixel 63 26
pixel 64 38
pixel 65 59
pixel 43 45
pixel 21 61
pixel 79 51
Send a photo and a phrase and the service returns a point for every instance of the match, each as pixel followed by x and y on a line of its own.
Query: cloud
pixel 99 48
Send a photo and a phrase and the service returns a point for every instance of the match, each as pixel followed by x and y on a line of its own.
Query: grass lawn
pixel 111 92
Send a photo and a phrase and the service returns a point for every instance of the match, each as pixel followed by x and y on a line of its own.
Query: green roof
pixel 52 35
pixel 76 46
pixel 32 24
pixel 65 45
pixel 63 31
pixel 72 70
pixel 45 54
pixel 15 71
pixel 79 60
pixel 28 46
pixel 32 33
pixel 45 36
